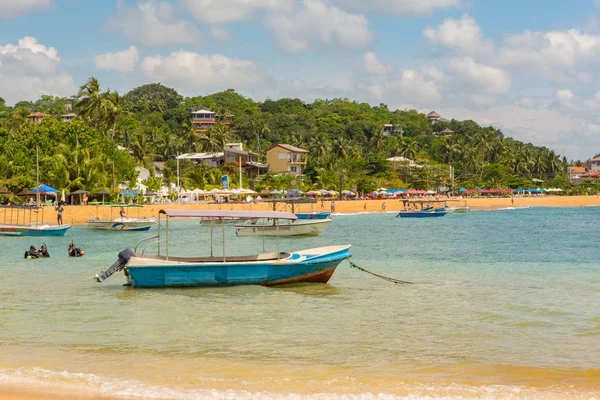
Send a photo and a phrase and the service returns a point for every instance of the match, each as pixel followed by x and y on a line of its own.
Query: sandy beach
pixel 78 215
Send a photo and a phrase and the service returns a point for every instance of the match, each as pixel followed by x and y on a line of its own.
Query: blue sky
pixel 527 67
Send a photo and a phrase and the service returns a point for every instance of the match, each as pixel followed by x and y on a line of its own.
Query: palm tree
pixel 341 147
pixel 319 145
pixel 450 148
pixel 90 101
pixel 378 141
pixel 408 148
pixel 112 111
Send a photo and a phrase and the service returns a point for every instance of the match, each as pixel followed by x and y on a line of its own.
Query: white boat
pixel 122 224
pixel 456 210
pixel 312 227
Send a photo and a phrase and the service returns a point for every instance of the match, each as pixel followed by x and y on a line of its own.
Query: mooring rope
pixel 377 275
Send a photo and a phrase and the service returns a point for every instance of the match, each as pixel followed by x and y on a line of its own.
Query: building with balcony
pixel 234 152
pixel 287 159
pixel 205 119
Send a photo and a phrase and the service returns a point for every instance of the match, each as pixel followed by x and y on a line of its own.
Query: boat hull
pixel 315 215
pixel 24 230
pixel 122 225
pixel 417 214
pixel 313 266
pixel 299 228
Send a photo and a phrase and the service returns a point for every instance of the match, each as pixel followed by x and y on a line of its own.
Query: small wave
pixel 71 383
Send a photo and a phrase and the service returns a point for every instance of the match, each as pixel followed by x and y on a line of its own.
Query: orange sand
pixel 78 215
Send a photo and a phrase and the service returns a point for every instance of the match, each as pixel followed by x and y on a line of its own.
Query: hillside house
pixel 285 158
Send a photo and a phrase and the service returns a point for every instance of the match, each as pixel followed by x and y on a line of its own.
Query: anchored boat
pixel 421 209
pixel 121 223
pixel 268 269
pixel 307 224
pixel 20 221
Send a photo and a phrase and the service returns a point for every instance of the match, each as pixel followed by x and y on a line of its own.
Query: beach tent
pixel 78 192
pixel 45 189
pixel 103 193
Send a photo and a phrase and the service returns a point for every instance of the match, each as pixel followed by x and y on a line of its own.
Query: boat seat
pixel 259 257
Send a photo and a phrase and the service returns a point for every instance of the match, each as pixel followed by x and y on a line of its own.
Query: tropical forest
pixel 111 134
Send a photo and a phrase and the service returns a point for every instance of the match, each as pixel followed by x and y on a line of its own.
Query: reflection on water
pixel 500 298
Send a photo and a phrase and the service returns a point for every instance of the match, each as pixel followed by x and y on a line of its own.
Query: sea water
pixel 503 304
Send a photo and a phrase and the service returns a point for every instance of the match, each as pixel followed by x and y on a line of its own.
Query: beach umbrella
pixel 25 192
pixel 43 188
pixel 265 192
pixel 102 193
pixel 4 191
pixel 62 196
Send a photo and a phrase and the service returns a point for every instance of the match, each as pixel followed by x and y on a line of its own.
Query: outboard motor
pixel 124 257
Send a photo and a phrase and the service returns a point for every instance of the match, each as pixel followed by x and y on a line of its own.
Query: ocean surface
pixel 504 304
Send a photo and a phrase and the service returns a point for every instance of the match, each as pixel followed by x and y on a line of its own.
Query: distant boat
pixel 421 214
pixel 312 227
pixel 313 215
pixel 18 221
pixel 307 224
pixel 121 223
pixel 164 270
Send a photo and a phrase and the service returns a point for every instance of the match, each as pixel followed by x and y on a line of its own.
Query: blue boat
pixel 421 214
pixel 269 269
pixel 19 221
pixel 313 215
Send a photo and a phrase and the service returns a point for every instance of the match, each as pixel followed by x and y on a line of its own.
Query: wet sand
pixel 78 215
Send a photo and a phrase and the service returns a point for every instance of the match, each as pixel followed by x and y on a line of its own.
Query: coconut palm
pixel 90 101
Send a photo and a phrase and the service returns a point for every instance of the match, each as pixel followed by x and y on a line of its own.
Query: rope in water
pixel 385 278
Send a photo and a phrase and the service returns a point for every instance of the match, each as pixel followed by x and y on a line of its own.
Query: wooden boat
pixel 121 223
pixel 313 215
pixel 307 224
pixel 272 228
pixel 19 221
pixel 421 214
pixel 165 270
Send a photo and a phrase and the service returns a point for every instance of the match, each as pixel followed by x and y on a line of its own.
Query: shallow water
pixel 504 305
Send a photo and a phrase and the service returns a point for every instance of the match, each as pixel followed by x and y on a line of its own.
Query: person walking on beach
pixel 383 207
pixel 122 212
pixel 512 201
pixel 333 206
pixel 322 204
pixel 59 211
pixel 84 200
pixel 365 206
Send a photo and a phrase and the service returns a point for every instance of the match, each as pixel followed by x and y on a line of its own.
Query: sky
pixel 528 67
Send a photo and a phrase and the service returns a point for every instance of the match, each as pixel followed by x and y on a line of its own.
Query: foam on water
pixel 93 384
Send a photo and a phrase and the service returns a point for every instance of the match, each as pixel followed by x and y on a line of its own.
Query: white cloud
pixel 565 97
pixel 481 77
pixel 397 6
pixel 554 54
pixel 314 23
pixel 462 35
pixel 122 61
pixel 225 11
pixel 30 69
pixel 418 87
pixel 11 8
pixel 153 23
pixel 206 72
pixel 558 129
pixel 219 33
pixel 372 65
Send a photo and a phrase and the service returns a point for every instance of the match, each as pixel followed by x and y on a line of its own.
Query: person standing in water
pixel 43 253
pixel 59 212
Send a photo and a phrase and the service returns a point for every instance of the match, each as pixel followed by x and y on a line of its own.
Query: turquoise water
pixel 506 297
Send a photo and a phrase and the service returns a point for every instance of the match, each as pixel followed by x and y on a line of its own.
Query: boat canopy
pixel 289 200
pixel 228 214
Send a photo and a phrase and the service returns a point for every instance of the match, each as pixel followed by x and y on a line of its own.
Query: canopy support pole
pixel 211 236
pixel 167 240
pixel 223 228
pixel 158 235
pixel 278 241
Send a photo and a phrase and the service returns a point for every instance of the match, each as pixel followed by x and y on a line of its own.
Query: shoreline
pixel 79 215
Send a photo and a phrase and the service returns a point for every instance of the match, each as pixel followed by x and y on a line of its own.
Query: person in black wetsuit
pixel 43 253
pixel 75 251
pixel 31 253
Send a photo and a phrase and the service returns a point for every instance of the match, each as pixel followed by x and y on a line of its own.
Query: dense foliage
pixel 345 138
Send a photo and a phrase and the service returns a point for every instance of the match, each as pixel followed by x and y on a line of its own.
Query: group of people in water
pixel 43 251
